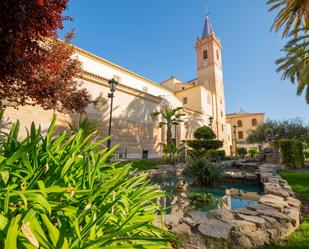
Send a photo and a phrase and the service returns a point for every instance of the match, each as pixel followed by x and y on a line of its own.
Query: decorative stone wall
pixel 274 218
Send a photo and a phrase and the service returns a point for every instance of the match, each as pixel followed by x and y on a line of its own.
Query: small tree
pixel 286 129
pixel 170 117
pixel 205 140
pixel 35 67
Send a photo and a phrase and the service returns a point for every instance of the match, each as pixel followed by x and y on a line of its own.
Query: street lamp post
pixel 112 85
pixel 211 119
pixel 235 139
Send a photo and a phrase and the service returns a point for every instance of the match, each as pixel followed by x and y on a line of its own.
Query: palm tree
pixel 292 15
pixel 293 18
pixel 295 64
pixel 170 117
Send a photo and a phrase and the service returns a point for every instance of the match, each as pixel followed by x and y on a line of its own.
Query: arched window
pixel 254 122
pixel 239 123
pixel 205 55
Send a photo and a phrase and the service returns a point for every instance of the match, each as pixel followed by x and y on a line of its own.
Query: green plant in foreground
pixel 204 172
pixel 61 193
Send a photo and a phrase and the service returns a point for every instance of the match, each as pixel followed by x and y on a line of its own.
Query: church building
pixel 136 98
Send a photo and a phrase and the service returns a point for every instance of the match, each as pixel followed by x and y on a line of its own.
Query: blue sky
pixel 156 38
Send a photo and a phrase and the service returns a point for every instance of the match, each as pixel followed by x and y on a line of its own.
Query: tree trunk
pixel 169 135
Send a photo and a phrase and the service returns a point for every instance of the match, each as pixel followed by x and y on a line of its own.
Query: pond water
pixel 233 193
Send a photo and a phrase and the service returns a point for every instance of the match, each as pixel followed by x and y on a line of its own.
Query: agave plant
pixel 204 172
pixel 61 193
pixel 87 125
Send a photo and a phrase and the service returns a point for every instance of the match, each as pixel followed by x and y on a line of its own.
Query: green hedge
pixel 306 153
pixel 204 132
pixel 215 155
pixel 205 144
pixel 292 152
pixel 253 152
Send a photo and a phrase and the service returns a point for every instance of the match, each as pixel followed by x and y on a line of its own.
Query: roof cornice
pixel 104 82
pixel 117 67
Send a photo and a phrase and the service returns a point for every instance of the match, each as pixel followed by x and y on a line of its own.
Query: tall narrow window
pixel 205 55
pixel 217 52
pixel 254 122
pixel 185 100
pixel 240 135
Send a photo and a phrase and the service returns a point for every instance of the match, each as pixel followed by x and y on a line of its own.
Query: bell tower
pixel 210 75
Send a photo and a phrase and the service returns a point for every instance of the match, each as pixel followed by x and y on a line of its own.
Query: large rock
pixel 258 221
pixel 258 237
pixel 274 214
pixel 242 226
pixel 273 234
pixel 220 214
pixel 244 211
pixel 256 207
pixel 273 201
pixel 244 242
pixel 286 230
pixel 215 229
pixel 277 191
pixel 182 229
pixel 294 216
pixel 171 220
pixel 198 216
pixel 293 202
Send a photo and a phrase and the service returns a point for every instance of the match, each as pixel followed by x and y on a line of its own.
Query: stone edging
pixel 275 218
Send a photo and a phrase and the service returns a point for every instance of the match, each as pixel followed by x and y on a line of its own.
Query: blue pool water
pixel 236 194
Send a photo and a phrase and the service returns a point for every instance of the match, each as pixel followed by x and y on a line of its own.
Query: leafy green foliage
pixel 61 193
pixel 85 124
pixel 204 132
pixel 215 155
pixel 205 144
pixel 286 129
pixel 204 141
pixel 292 152
pixel 253 152
pixel 242 152
pixel 293 15
pixel 173 153
pixel 200 200
pixel 306 154
pixel 293 18
pixel 204 172
pixel 170 117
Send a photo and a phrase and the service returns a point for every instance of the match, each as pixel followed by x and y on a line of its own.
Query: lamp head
pixel 113 84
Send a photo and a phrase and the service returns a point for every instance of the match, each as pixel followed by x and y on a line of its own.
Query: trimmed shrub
pixel 204 132
pixel 292 152
pixel 242 152
pixel 215 155
pixel 205 141
pixel 253 152
pixel 205 144
pixel 306 154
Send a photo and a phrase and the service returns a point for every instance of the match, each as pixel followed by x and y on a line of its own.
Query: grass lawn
pixel 300 239
pixel 299 182
pixel 141 164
